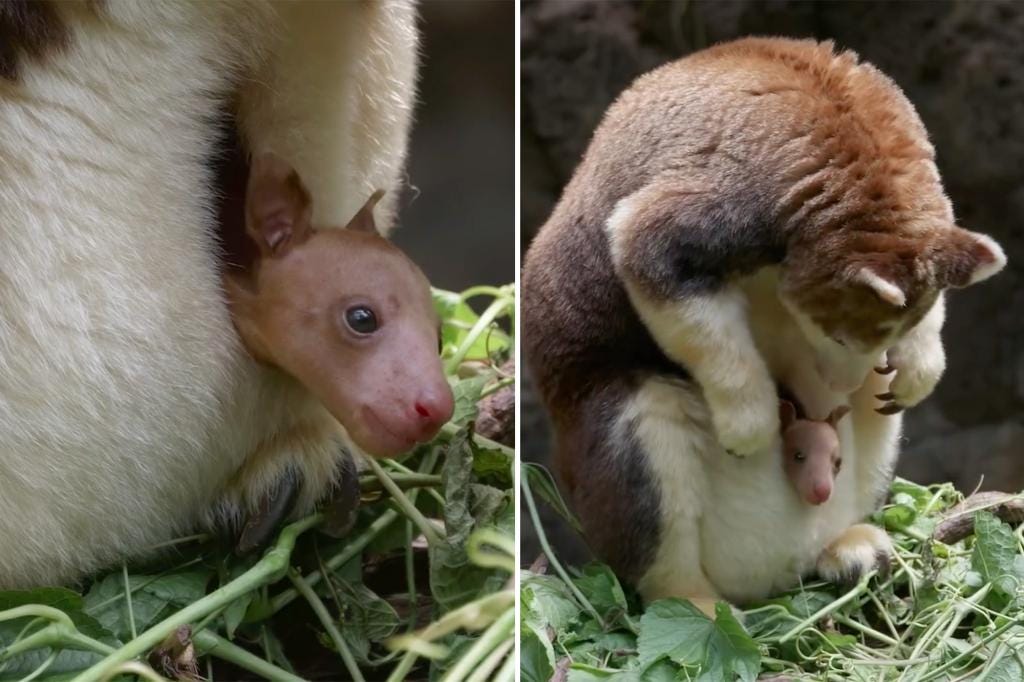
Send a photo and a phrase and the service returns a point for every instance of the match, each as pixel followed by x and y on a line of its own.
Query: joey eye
pixel 836 339
pixel 839 464
pixel 361 320
pixel 799 456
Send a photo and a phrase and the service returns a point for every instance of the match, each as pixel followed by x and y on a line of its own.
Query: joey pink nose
pixel 434 408
pixel 820 493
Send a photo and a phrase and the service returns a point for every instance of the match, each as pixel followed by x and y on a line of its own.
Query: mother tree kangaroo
pixel 128 410
pixel 762 211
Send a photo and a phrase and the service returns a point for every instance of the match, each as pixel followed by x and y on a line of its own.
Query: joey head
pixel 810 452
pixel 343 311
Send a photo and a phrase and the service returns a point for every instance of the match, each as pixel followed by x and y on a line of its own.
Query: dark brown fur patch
pixel 28 28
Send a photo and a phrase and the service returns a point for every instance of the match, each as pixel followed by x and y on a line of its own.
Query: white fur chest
pixel 757 536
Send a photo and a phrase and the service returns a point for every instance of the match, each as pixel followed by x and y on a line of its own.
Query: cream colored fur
pixel 709 336
pixel 717 509
pixel 129 411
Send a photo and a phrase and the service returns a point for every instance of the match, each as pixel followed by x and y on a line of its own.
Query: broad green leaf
pixel 150 597
pixel 536 656
pixel 603 590
pixel 547 602
pixel 679 631
pixel 995 550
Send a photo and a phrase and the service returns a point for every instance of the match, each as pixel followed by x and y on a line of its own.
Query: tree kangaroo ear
pixel 888 291
pixel 363 220
pixel 787 413
pixel 967 258
pixel 837 414
pixel 278 208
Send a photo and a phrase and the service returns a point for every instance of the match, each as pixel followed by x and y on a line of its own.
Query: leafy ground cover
pixel 951 608
pixel 419 588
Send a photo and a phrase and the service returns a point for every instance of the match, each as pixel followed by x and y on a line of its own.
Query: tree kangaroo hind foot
pixel 860 549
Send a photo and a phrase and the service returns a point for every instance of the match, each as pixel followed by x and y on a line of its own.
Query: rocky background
pixel 960 63
pixel 458 215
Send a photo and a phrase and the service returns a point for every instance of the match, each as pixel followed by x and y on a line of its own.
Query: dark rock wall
pixel 960 63
pixel 458 217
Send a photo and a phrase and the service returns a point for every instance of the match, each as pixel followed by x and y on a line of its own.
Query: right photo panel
pixel 772 402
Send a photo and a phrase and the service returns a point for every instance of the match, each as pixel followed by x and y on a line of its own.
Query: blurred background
pixel 960 63
pixel 458 216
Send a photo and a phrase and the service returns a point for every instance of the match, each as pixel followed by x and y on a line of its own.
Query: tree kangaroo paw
pixel 273 508
pixel 341 511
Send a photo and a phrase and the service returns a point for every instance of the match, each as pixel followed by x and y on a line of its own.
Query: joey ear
pixel 363 220
pixel 787 413
pixel 967 258
pixel 886 290
pixel 278 208
pixel 837 414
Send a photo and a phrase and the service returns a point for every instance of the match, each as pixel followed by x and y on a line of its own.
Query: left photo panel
pixel 257 332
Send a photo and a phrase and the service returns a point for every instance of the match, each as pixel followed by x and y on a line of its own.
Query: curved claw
pixel 888 369
pixel 342 510
pixel 890 409
pixel 886 397
pixel 273 509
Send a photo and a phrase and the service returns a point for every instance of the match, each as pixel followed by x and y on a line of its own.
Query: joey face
pixel 348 315
pixel 810 454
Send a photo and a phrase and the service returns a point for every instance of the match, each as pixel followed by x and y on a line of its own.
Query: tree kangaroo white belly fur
pixel 740 518
pixel 128 410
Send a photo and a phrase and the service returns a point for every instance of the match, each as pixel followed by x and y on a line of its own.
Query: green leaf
pixel 547 602
pixel 542 484
pixel 365 618
pixel 679 631
pixel 150 597
pixel 68 661
pixel 898 516
pixel 235 614
pixel 467 395
pixel 995 550
pixel 599 584
pixel 536 656
pixel 493 466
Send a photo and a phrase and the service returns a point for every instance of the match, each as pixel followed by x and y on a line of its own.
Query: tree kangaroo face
pixel 854 296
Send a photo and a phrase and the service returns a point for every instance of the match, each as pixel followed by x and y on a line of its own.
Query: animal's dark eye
pixel 839 465
pixel 799 456
pixel 838 340
pixel 361 320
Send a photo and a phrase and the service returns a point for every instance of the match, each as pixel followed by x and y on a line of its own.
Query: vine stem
pixel 860 587
pixel 489 315
pixel 371 484
pixel 531 505
pixel 268 569
pixel 213 644
pixel 492 637
pixel 352 549
pixel 407 507
pixel 325 619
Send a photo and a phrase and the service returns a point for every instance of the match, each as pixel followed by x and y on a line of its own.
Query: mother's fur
pixel 129 410
pixel 762 211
